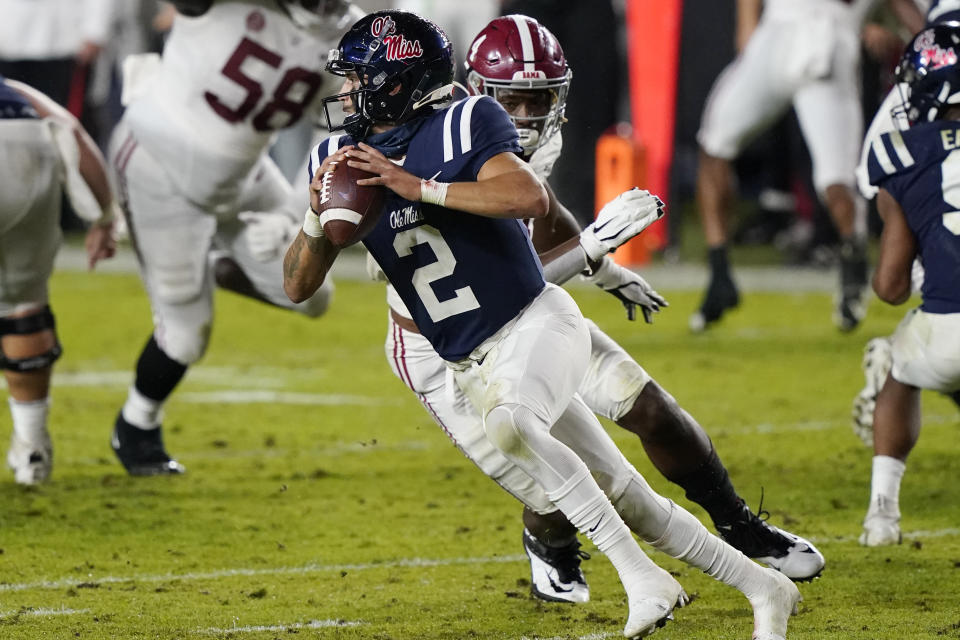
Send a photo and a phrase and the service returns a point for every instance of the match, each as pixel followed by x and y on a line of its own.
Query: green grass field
pixel 322 502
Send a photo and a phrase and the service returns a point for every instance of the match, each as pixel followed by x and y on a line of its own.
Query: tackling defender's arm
pixel 898 248
pixel 505 187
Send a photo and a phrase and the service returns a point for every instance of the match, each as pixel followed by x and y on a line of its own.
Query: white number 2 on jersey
pixel 950 183
pixel 463 299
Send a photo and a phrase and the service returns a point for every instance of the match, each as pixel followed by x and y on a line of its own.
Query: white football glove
pixel 268 233
pixel 632 290
pixel 620 220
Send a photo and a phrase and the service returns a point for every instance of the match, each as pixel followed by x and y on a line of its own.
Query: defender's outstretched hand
pixel 620 220
pixel 632 290
pixel 268 233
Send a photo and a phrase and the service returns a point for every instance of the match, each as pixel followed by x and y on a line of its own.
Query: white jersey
pixel 853 11
pixel 226 82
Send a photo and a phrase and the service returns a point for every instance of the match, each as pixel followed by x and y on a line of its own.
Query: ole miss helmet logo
pixel 398 48
pixel 932 53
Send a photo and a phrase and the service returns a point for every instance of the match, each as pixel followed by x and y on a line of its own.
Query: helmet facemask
pixel 312 13
pixel 534 129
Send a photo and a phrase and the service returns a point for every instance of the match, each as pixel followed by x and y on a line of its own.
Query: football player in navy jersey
pixel 517 347
pixel 890 116
pixel 45 153
pixel 917 172
pixel 519 63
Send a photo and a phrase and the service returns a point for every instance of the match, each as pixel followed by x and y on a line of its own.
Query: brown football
pixel 348 212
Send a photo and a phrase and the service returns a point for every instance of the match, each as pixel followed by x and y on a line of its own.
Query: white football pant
pixel 926 351
pixel 174 238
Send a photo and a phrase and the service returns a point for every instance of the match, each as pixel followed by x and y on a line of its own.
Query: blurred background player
pixel 190 157
pixel 804 53
pixel 44 150
pixel 917 172
pixel 508 370
pixel 520 63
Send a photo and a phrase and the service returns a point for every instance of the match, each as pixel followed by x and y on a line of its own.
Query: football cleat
pixel 555 574
pixel 789 554
pixel 721 295
pixel 652 603
pixel 881 526
pixel 877 360
pixel 851 299
pixel 773 607
pixel 31 462
pixel 141 451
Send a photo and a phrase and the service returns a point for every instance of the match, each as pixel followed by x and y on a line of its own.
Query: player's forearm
pixel 514 194
pixel 305 265
pixel 565 261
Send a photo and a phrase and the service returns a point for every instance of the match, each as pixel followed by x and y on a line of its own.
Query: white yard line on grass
pixel 257 396
pixel 314 624
pixel 64 583
pixel 41 612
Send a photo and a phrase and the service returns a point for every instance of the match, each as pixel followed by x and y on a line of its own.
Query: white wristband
pixel 433 192
pixel 311 224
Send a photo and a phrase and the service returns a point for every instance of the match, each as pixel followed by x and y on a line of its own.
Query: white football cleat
pixel 555 574
pixel 877 360
pixel 774 606
pixel 652 603
pixel 31 462
pixel 881 527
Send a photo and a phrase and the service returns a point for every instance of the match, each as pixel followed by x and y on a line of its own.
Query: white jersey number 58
pixel 463 299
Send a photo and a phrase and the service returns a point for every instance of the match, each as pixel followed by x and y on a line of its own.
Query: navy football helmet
pixel 403 64
pixel 929 68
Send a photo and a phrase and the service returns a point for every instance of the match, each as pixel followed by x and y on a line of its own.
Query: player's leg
pixel 522 384
pixel 549 539
pixel 748 96
pixel 172 238
pixel 30 196
pixel 926 355
pixel 671 529
pixel 619 389
pixel 831 120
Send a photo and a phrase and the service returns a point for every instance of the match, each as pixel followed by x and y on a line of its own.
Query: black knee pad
pixel 24 325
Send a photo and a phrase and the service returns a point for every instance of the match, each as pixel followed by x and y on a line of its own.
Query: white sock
pixel 30 419
pixel 588 509
pixel 685 538
pixel 886 477
pixel 141 411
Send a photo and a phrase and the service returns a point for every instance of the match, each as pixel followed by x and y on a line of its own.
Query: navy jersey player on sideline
pixel 890 116
pixel 520 63
pixel 451 242
pixel 918 174
pixel 44 152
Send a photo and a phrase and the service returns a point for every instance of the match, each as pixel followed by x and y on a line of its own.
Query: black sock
pixel 710 487
pixel 157 373
pixel 719 263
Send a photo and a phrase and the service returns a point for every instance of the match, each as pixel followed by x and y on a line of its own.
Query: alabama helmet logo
pixel 398 47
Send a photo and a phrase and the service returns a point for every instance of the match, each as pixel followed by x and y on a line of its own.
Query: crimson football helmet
pixel 517 53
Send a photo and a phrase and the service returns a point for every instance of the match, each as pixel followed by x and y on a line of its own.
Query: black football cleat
pixel 721 296
pixel 555 574
pixel 141 451
pixel 788 553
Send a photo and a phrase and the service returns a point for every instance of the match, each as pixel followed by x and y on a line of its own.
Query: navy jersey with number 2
pixel 920 167
pixel 462 276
